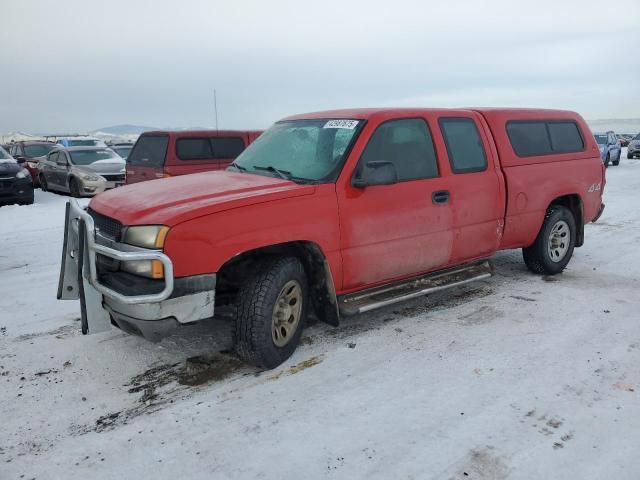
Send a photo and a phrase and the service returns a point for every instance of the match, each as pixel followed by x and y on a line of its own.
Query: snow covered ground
pixel 518 376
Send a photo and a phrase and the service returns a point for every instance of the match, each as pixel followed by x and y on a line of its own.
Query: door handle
pixel 440 197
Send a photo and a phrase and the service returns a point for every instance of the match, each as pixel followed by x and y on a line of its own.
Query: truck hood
pixel 170 201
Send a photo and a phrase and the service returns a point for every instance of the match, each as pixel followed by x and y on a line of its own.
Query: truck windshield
pixel 601 139
pixel 301 150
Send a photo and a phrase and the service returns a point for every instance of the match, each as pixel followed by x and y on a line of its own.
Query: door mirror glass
pixel 377 172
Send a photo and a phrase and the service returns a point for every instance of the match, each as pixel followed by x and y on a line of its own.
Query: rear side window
pixel 565 137
pixel 149 151
pixel 407 144
pixel 534 138
pixel 464 145
pixel 207 148
pixel 193 148
pixel 227 147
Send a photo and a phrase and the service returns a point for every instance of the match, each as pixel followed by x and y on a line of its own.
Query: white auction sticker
pixel 349 124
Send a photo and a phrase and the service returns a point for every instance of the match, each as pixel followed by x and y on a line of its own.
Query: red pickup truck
pixel 168 153
pixel 340 212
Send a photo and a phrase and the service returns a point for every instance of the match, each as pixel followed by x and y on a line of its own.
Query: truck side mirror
pixel 379 172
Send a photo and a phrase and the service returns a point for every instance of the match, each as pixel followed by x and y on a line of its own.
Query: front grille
pixel 107 225
pixel 118 177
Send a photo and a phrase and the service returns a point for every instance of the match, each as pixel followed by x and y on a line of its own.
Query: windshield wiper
pixel 239 167
pixel 281 173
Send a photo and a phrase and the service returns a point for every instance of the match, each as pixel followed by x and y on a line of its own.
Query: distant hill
pixel 118 130
pixel 618 125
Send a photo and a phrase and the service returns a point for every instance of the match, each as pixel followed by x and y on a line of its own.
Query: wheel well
pixel 322 290
pixel 574 203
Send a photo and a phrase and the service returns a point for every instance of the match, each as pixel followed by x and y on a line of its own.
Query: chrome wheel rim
pixel 286 313
pixel 559 239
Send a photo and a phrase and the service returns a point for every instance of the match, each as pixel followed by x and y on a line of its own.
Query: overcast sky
pixel 78 65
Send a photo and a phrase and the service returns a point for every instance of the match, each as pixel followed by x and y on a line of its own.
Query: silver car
pixel 82 170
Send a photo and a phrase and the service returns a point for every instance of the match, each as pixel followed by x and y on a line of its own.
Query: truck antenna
pixel 215 107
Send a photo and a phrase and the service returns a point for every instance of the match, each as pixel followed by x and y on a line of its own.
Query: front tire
pixel 74 188
pixel 270 312
pixel 606 160
pixel 43 183
pixel 616 162
pixel 554 245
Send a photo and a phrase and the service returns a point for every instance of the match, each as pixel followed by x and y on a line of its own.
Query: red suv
pixel 162 154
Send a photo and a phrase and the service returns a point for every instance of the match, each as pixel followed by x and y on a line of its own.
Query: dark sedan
pixel 15 181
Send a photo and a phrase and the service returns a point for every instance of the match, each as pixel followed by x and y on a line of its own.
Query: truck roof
pixel 190 133
pixel 367 113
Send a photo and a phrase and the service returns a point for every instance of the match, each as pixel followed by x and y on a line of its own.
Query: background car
pixel 82 170
pixel 610 148
pixel 29 154
pixel 624 140
pixel 15 181
pixel 80 141
pixel 633 150
pixel 165 153
pixel 122 149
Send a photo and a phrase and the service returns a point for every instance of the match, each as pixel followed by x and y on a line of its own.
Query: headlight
pixel 90 177
pixel 146 236
pixel 144 268
pixel 24 173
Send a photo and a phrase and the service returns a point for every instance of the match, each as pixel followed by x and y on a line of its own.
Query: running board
pixel 371 299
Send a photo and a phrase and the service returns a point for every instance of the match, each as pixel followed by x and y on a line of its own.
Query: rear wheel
pixel 74 188
pixel 270 312
pixel 553 248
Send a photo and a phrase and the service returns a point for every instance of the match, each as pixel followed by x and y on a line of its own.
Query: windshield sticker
pixel 348 124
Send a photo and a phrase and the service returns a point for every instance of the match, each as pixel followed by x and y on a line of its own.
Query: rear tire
pixel 270 312
pixel 553 248
pixel 74 189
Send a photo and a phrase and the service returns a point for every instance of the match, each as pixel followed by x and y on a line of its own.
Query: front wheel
pixel 74 188
pixel 43 183
pixel 270 312
pixel 606 161
pixel 553 248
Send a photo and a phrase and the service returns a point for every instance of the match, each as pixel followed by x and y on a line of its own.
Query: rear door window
pixel 149 151
pixel 227 147
pixel 464 145
pixel 194 149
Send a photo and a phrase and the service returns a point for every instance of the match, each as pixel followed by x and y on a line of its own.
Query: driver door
pixel 402 229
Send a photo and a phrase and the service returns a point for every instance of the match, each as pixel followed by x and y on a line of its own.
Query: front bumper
pixel 151 308
pixel 15 190
pixel 93 188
